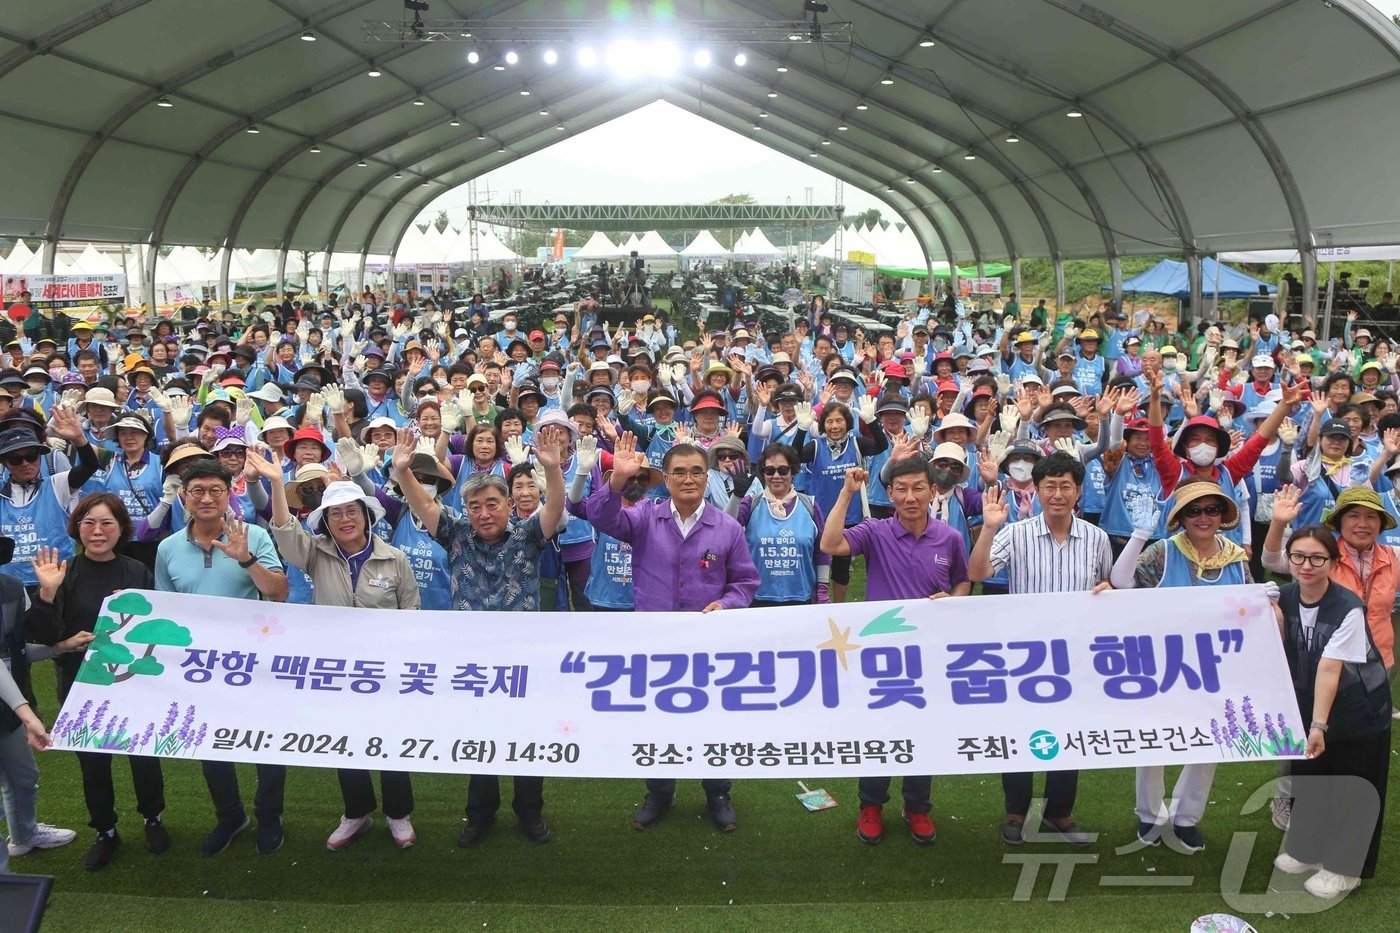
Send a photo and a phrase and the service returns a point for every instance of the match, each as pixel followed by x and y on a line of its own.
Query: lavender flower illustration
pixel 1275 740
pixel 111 733
pixel 1251 724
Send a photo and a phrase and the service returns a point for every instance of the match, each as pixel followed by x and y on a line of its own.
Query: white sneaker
pixel 402 831
pixel 1328 884
pixel 45 837
pixel 1282 811
pixel 346 832
pixel 1291 866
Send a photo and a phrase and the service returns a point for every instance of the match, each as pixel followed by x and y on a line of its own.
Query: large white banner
pixel 978 684
pixel 63 291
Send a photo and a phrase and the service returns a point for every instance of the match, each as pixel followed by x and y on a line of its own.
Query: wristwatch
pixel 253 560
pixel 1318 725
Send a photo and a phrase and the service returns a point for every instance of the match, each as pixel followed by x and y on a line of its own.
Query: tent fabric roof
pixel 598 247
pixel 1170 278
pixel 1184 145
pixel 652 246
pixel 705 246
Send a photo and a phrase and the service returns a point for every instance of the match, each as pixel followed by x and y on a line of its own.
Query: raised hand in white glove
pixel 335 398
pixel 1003 384
pixel 1288 432
pixel 516 451
pixel 360 362
pixel 867 408
pixel 1067 445
pixel 1217 398
pixel 626 401
pixel 351 460
pixel 1071 332
pixel 160 399
pixel 1144 514
pixel 586 453
pixel 1271 590
pixel 243 410
pixel 802 414
pixel 315 408
pixel 170 489
pixel 1010 419
pixel 920 366
pixel 181 410
pixel 1008 321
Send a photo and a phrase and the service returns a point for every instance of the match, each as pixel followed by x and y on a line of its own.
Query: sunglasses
pixel 1196 511
pixel 777 471
pixel 17 459
pixel 728 455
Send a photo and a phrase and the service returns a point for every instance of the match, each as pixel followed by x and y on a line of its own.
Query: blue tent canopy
pixel 1169 277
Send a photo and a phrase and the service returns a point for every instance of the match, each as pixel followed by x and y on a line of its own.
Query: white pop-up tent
pixel 597 248
pixel 22 260
pixel 651 246
pixel 760 247
pixel 705 246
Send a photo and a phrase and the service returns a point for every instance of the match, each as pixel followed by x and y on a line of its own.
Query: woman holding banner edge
pixel 348 566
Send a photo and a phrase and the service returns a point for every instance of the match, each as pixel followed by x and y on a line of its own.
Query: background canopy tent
pixel 651 246
pixel 705 246
pixel 1170 278
pixel 598 248
pixel 760 247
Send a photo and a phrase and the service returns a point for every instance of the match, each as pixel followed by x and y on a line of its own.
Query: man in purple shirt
pixel 907 556
pixel 685 558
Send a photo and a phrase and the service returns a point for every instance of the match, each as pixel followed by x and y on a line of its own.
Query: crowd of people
pixel 391 454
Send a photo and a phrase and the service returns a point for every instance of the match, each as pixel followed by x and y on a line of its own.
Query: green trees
pixel 110 661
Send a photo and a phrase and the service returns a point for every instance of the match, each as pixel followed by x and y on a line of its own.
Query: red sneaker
pixel 870 827
pixel 921 827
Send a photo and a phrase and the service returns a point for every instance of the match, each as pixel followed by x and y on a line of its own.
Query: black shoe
pixel 536 829
pixel 157 839
pixel 1070 832
pixel 1149 834
pixel 223 834
pixel 1012 832
pixel 473 832
pixel 102 851
pixel 650 812
pixel 1189 840
pixel 269 835
pixel 722 812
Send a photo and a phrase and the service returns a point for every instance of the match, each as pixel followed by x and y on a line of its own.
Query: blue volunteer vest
pixel 300 590
pixel 138 493
pixel 1134 479
pixel 784 551
pixel 41 523
pixel 1177 571
pixel 577 531
pixel 1319 496
pixel 428 560
pixel 453 498
pixel 828 475
pixel 1088 374
pixel 1263 479
pixel 874 488
pixel 610 574
pixel 1091 498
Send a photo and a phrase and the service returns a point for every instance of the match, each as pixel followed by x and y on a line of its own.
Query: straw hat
pixel 304 475
pixel 1203 489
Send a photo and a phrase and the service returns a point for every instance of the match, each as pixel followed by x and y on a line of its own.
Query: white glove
pixel 664 375
pixel 57 443
pixel 442 328
pixel 1068 445
pixel 515 450
pixel 1271 590
pixel 1144 513
pixel 1217 398
pixel 169 489
pixel 997 443
pixel 243 410
pixel 1044 340
pixel 1010 419
pixel 425 445
pixel 335 398
pixel 1003 384
pixel 71 398
pixel 464 400
pixel 181 408
pixel 1008 321
pixel 626 401
pixel 216 370
pixel 119 367
pixel 400 331
pixel 303 331
pixel 804 417
pixel 1071 332
pixel 351 460
pixel 371 455
pixel 920 365
pixel 268 317
pixel 867 408
pixel 1288 432
pixel 586 453
pixel 315 408
pixel 540 478
pixel 161 400
pixel 360 362
pixel 918 423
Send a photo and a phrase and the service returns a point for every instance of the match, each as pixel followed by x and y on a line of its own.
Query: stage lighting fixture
pixel 362 163
pixel 524 93
pixel 908 181
pixel 314 148
pixel 741 60
pixel 253 128
pixel 512 57
pixel 1012 138
pixel 926 42
pixel 772 93
pixel 551 57
pixel 763 114
pixel 842 128
pixel 544 113
pixel 887 80
pixel 1074 113
pixel 757 127
pixel 936 170
pixel 374 72
pixel 500 150
pixel 663 58
pixel 624 58
pixel 473 57
pixel 862 106
pixel 587 57
pixel 163 102
pixel 811 155
pixel 454 122
pixel 426 183
pixel 308 36
pixel 826 142
pixel 702 58
pixel 560 127
pixel 782 69
pixel 398 174
pixel 969 157
pixel 480 136
pixel 498 67
pixel 418 102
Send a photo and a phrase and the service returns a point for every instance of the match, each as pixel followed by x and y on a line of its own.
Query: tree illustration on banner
pixel 109 661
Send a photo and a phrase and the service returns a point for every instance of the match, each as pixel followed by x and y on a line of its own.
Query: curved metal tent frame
pixel 1186 144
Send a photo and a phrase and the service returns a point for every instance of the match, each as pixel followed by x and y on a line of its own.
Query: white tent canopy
pixel 92 262
pixel 631 244
pixel 760 247
pixel 741 246
pixel 651 246
pixel 851 242
pixel 21 260
pixel 415 249
pixel 598 247
pixel 705 246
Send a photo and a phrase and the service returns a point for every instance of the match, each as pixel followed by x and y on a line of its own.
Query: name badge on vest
pixel 379 584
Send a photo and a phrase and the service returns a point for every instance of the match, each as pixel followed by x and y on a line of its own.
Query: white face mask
pixel 1201 454
pixel 1020 471
pixel 510 325
pixel 640 386
pixel 1168 364
pixel 550 382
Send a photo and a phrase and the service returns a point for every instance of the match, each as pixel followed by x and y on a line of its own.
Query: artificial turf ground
pixel 784 868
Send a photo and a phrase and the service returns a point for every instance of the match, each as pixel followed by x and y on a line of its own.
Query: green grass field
pixel 784 868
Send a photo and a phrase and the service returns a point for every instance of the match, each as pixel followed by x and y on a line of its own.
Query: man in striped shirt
pixel 1053 552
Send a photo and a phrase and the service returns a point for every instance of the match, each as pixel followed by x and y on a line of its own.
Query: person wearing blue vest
pixel 304 493
pixel 825 461
pixel 609 586
pixel 1196 554
pixel 426 555
pixel 1135 477
pixel 892 415
pixel 1089 363
pixel 1325 473
pixel 1275 466
pixel 729 460
pixel 135 475
pixel 350 566
pixel 1026 358
pixel 782 527
pixel 576 539
pixel 1016 463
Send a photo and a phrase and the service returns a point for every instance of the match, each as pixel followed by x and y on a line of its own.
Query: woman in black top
pixel 70 596
pixel 1344 695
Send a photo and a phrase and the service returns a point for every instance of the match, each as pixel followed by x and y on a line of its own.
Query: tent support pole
pixel 1193 275
pixel 1115 271
pixel 1059 283
pixel 1309 307
pixel 281 274
pixel 1016 278
pixel 1327 310
pixel 1215 291
pixel 325 282
pixel 224 285
pixel 152 254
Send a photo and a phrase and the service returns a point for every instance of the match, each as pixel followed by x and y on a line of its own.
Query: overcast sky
pixel 714 162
